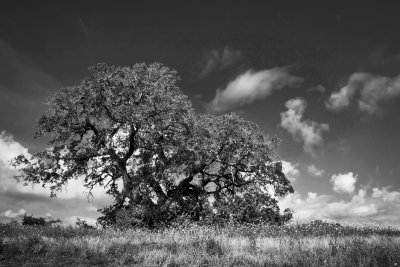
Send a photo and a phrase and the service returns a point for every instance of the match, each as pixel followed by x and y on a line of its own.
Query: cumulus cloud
pixel 217 60
pixel 315 171
pixel 380 206
pixel 371 90
pixel 9 149
pixel 290 170
pixel 341 99
pixel 72 201
pixel 251 86
pixel 385 194
pixel 344 182
pixel 11 214
pixel 307 131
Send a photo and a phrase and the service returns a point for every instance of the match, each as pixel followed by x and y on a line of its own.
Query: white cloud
pixel 9 149
pixel 72 201
pixel 385 194
pixel 341 99
pixel 11 214
pixel 290 170
pixel 217 60
pixel 251 86
pixel 307 131
pixel 315 171
pixel 344 182
pixel 372 90
pixel 363 207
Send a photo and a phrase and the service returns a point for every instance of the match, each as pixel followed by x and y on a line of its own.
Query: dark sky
pixel 249 51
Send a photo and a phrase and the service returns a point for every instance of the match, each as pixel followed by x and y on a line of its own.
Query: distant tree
pixel 33 221
pixel 38 221
pixel 131 130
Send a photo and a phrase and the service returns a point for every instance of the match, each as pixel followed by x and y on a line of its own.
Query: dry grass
pixel 198 246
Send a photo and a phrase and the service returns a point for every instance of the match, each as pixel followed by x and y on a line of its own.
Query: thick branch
pixel 132 146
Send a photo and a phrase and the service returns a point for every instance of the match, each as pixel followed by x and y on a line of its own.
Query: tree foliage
pixel 38 221
pixel 131 130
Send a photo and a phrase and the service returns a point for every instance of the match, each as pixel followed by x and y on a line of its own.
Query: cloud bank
pixel 367 205
pixel 371 91
pixel 381 206
pixel 251 86
pixel 16 199
pixel 11 214
pixel 307 131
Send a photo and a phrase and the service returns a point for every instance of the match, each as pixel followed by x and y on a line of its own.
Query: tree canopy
pixel 131 130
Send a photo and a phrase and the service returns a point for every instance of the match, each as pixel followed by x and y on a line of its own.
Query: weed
pixel 35 245
pixel 212 247
pixel 313 244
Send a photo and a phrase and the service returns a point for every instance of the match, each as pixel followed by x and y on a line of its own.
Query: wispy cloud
pixel 384 54
pixel 84 30
pixel 370 90
pixel 24 87
pixel 217 60
pixel 251 86
pixel 20 74
pixel 315 171
pixel 307 131
pixel 319 88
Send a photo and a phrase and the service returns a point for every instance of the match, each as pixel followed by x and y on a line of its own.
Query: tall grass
pixel 313 244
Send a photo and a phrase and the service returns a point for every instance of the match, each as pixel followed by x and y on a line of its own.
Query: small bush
pixel 33 221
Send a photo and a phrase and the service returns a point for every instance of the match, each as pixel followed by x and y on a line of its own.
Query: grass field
pixel 312 244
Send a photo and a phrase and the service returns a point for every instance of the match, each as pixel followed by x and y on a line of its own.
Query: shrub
pixel 33 221
pixel 30 220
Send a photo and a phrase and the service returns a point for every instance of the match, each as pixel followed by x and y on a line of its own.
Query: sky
pixel 323 77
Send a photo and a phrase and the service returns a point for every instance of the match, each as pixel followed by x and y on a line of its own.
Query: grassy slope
pixel 299 245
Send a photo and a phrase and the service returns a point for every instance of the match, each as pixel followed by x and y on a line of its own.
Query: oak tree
pixel 131 130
